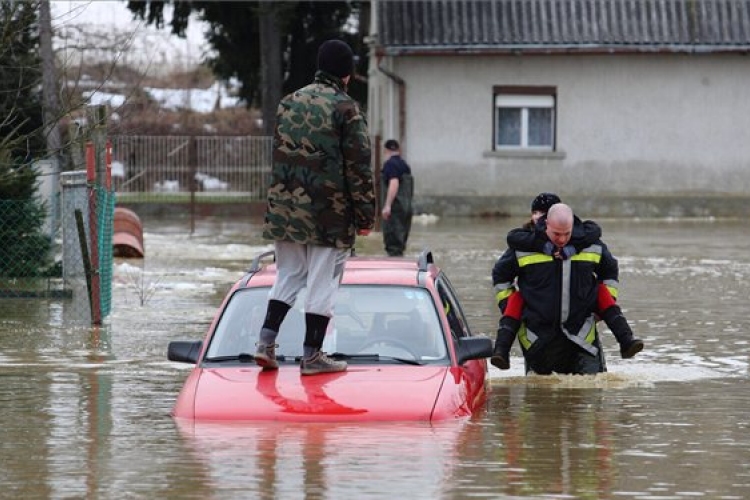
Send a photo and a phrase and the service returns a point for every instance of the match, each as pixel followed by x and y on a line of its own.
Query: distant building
pixel 643 103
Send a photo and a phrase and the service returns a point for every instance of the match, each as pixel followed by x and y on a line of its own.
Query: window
pixel 380 320
pixel 456 319
pixel 525 118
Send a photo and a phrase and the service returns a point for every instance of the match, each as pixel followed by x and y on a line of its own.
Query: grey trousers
pixel 317 267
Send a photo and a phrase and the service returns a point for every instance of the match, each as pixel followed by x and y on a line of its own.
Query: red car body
pixel 439 376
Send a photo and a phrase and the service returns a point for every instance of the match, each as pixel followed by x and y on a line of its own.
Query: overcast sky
pixel 149 45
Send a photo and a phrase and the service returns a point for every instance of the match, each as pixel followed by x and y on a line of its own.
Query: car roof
pixel 359 270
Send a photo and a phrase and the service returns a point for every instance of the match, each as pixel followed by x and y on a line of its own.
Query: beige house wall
pixel 637 125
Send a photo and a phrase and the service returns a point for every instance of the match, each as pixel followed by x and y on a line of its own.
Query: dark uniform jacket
pixel 560 296
pixel 321 188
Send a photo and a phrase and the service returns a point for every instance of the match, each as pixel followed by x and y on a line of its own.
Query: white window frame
pixel 518 99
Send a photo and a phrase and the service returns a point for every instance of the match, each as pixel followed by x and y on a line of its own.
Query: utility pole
pixel 49 84
pixel 270 64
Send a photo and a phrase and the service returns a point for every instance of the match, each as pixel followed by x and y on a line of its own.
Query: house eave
pixel 479 50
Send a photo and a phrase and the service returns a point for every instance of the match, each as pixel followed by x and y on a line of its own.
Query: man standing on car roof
pixel 321 196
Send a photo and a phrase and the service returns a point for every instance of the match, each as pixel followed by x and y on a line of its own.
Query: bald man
pixel 559 333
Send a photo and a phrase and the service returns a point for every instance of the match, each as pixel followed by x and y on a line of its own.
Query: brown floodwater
pixel 85 411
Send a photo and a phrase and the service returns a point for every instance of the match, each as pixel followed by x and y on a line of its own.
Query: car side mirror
pixel 473 348
pixel 184 351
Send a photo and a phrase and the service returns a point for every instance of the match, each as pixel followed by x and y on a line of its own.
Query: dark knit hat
pixel 544 201
pixel 336 57
pixel 391 145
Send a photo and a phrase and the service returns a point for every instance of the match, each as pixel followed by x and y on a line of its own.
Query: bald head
pixel 559 224
pixel 560 213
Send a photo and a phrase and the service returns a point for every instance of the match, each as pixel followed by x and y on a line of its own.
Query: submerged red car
pixel 398 324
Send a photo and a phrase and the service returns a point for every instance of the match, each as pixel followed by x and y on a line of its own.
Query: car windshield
pixel 382 321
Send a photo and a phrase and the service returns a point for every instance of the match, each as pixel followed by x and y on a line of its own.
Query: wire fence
pixel 87 244
pixel 72 263
pixel 26 264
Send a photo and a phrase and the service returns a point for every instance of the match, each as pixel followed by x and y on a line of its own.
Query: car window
pixel 452 308
pixel 393 321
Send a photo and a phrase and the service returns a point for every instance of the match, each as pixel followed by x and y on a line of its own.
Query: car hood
pixel 362 393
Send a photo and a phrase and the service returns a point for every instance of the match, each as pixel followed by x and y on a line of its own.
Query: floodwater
pixel 85 411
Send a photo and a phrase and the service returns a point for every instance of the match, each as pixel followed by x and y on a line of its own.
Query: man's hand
pixel 363 232
pixel 386 213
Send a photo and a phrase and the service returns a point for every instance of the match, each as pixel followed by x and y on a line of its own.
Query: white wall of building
pixel 627 124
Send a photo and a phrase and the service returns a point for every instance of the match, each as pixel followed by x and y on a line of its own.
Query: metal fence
pixel 72 262
pixel 26 263
pixel 35 265
pixel 87 252
pixel 174 168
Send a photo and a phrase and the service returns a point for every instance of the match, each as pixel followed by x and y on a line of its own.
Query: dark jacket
pixel 321 189
pixel 396 167
pixel 560 296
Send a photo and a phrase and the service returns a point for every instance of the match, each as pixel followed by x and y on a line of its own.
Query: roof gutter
pixel 401 100
pixel 591 49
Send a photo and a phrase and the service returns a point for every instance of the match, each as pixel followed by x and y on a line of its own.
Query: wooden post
pixel 97 119
pixel 85 257
pixel 377 167
pixel 96 311
pixel 96 175
pixel 193 164
pixel 108 166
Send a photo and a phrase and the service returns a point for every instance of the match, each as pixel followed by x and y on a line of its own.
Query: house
pixel 623 107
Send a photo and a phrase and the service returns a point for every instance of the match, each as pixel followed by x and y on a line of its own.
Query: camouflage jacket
pixel 321 189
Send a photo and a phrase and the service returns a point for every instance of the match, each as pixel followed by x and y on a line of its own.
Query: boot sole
pixel 632 350
pixel 500 363
pixel 317 371
pixel 266 363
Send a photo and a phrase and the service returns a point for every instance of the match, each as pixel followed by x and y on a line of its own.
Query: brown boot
pixel 629 345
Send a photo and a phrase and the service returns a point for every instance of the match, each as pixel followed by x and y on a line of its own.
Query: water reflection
pixel 553 441
pixel 316 460
pixel 316 401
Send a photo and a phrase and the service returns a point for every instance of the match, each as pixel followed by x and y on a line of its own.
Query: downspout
pixel 401 101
